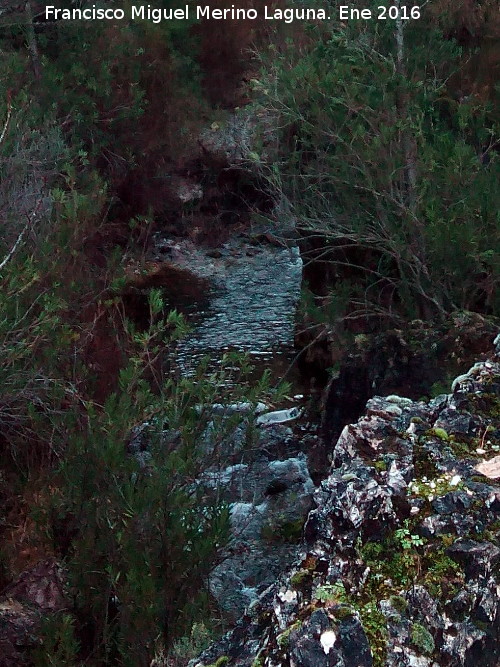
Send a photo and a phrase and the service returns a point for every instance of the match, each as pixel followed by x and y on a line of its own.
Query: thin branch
pixel 7 120
pixel 21 236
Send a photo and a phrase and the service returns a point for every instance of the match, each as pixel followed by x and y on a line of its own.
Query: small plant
pixel 407 540
pixel 436 486
pixel 344 611
pixel 442 575
pixel 284 638
pixel 375 626
pixel 301 580
pixel 188 647
pixel 331 593
pixel 220 662
pixel 59 645
pixel 399 603
pixel 422 639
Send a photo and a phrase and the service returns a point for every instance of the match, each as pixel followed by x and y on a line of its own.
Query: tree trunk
pixel 31 39
pixel 408 142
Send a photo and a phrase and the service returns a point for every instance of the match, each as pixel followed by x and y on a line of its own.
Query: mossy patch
pixel 283 639
pixel 486 405
pixel 220 662
pixel 491 533
pixel 434 487
pixel 398 603
pixel 442 576
pixel 301 580
pixel 343 611
pixel 375 626
pixel 447 540
pixel 438 433
pixel 466 447
pixel 422 639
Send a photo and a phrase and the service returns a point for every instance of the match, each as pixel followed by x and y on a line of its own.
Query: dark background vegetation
pixel 390 163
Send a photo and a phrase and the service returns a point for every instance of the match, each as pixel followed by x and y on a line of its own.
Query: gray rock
pixel 306 647
pixel 496 343
pixel 468 646
pixel 455 423
pixel 37 592
pixel 278 416
pixel 455 501
pixel 299 620
pixel 478 558
pixel 270 501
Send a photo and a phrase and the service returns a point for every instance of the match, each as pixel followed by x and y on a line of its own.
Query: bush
pixel 139 535
pixel 391 179
pixel 422 639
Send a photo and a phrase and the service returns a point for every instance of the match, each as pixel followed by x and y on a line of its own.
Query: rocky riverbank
pixel 399 564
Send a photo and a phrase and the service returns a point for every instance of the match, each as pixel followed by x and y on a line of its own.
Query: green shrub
pixel 58 643
pixel 422 638
pixel 380 164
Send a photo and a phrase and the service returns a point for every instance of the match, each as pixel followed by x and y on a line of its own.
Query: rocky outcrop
pixel 399 565
pixel 233 142
pixel 419 361
pixel 37 592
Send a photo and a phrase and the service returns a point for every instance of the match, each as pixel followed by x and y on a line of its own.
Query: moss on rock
pixel 422 639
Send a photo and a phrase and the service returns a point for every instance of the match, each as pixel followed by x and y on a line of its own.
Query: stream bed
pixel 249 308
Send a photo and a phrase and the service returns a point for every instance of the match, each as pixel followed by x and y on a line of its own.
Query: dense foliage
pixel 393 170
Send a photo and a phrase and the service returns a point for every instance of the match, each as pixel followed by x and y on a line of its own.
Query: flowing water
pixel 250 308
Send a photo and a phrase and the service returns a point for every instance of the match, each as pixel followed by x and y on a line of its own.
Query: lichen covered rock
pixel 400 561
